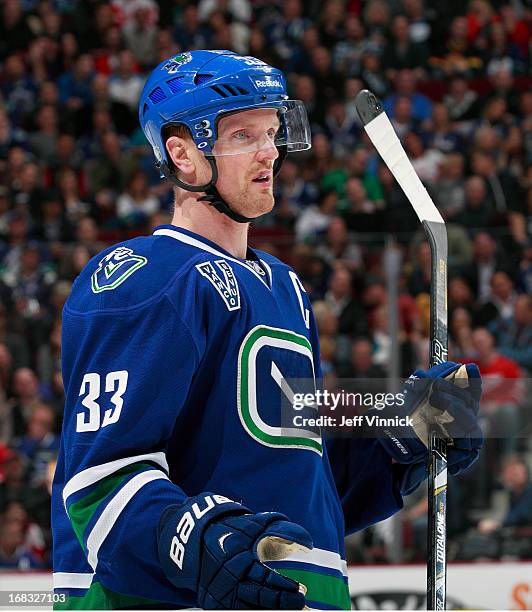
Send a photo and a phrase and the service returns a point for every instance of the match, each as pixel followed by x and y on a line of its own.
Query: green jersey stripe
pixel 99 597
pixel 82 511
pixel 321 588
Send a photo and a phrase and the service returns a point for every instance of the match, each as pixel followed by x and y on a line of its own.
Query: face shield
pixel 237 134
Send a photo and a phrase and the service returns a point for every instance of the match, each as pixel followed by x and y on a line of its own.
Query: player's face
pixel 245 180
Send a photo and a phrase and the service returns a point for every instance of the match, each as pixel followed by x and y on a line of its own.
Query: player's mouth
pixel 263 178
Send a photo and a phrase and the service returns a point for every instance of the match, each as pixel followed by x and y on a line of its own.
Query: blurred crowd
pixel 77 174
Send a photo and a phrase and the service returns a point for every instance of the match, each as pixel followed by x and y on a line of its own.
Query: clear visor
pixel 251 130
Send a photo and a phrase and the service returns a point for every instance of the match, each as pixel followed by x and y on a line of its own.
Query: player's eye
pixel 242 135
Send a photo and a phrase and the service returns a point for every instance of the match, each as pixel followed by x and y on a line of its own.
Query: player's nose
pixel 268 151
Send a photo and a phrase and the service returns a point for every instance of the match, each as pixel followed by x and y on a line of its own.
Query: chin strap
pixel 212 196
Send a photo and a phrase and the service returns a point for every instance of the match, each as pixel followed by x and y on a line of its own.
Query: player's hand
pixel 219 553
pixel 447 397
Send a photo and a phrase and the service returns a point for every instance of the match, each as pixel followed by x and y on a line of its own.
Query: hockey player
pixel 176 485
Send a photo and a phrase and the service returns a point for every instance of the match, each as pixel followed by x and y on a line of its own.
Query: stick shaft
pixel 437 489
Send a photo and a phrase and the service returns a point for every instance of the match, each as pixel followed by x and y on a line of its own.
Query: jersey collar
pixel 204 244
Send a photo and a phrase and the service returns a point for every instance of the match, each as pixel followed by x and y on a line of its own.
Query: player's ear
pixel 180 152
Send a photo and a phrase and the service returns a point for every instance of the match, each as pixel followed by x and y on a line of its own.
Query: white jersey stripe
pixel 113 510
pixel 65 580
pixel 321 558
pixel 91 475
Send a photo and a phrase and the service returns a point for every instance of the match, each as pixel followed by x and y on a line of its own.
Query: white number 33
pixel 116 383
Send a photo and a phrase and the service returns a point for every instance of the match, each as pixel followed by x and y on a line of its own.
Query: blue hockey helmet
pixel 197 88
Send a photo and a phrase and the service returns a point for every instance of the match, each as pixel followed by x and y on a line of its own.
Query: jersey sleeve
pixel 366 479
pixel 127 375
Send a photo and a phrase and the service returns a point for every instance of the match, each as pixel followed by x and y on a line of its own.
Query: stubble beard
pixel 254 205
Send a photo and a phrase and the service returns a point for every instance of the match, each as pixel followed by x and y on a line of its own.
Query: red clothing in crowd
pixel 501 379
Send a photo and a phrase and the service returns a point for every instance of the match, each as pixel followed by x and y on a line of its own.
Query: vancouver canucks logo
pixel 226 284
pixel 174 63
pixel 115 268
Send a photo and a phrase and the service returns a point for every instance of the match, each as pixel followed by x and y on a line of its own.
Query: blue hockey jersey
pixel 172 351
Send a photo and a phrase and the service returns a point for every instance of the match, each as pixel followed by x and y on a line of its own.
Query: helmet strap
pixel 212 196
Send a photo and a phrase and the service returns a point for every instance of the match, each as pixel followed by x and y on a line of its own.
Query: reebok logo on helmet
pixel 268 83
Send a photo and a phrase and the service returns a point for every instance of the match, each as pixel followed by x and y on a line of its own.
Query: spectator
pixel 49 356
pixel 26 396
pixel 382 343
pixel 189 32
pixel 75 208
pixel 10 136
pixel 30 288
pixel 75 258
pixel 140 33
pixel 460 295
pixel 34 538
pixel 419 281
pixel 18 89
pixel 502 391
pixel 487 260
pixel 462 103
pixel 517 485
pixel 13 553
pixel 39 444
pixel 362 364
pixel 315 218
pixel 458 55
pixel 401 52
pixel 136 204
pixel 372 73
pixel 120 115
pixel 125 85
pixel 87 235
pixel 27 193
pixel 513 335
pixel 348 52
pixel 305 90
pixel 403 120
pixel 426 162
pixel 501 301
pixel 338 247
pixel 75 85
pixel 108 175
pixel 292 187
pixel 341 129
pixel 477 212
pixel 286 30
pixel 66 155
pixel 504 190
pixel 15 32
pixel 359 212
pixel 328 81
pixel 351 317
pixel 462 335
pixel 439 132
pixel 14 341
pixel 405 85
pixel 53 226
pixel 377 17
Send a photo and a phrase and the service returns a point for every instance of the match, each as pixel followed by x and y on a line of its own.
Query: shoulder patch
pixel 226 287
pixel 115 268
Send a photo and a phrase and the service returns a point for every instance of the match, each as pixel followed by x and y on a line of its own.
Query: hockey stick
pixel 385 140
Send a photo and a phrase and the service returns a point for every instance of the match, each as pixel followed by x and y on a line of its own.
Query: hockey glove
pixel 446 396
pixel 215 547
